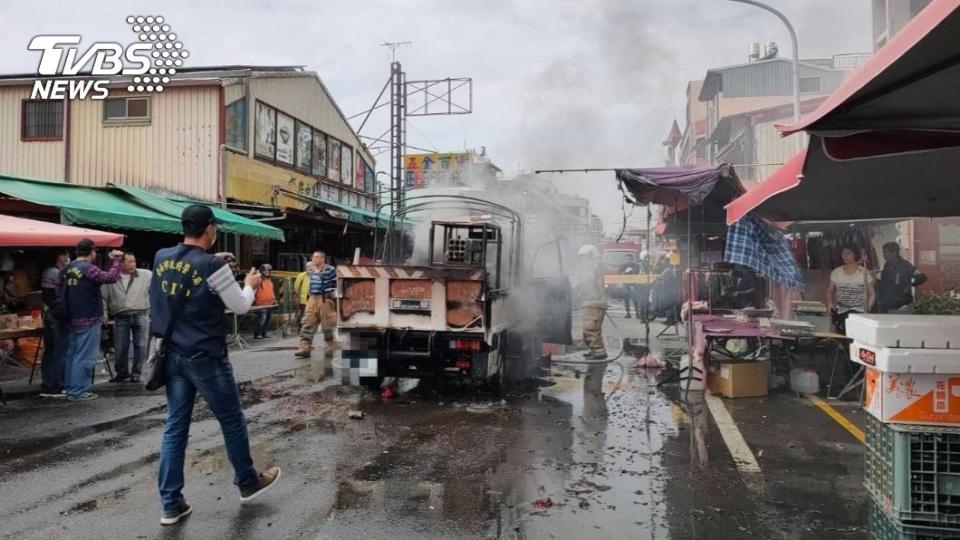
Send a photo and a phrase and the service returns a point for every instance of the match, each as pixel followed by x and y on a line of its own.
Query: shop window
pixel 346 167
pixel 333 159
pixel 285 138
pixel 265 131
pixel 304 148
pixel 126 110
pixel 236 116
pixel 41 120
pixel 319 154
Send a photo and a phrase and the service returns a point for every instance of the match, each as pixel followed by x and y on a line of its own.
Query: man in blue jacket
pixel 193 288
pixel 81 295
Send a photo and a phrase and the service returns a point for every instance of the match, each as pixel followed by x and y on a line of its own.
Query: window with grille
pixel 126 110
pixel 42 120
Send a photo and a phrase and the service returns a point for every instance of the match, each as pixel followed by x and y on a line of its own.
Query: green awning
pixel 81 205
pixel 229 222
pixel 358 215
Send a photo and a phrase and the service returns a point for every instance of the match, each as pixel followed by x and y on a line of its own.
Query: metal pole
pixel 796 54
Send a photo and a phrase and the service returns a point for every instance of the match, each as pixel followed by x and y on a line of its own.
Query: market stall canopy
pixel 910 83
pixel 678 187
pixel 90 206
pixel 706 190
pixel 122 208
pixel 886 144
pixel 815 186
pixel 21 232
pixel 229 222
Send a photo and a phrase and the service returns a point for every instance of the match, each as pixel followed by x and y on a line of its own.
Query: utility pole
pixel 398 131
pixel 440 97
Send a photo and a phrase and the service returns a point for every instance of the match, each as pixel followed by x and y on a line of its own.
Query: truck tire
pixel 372 383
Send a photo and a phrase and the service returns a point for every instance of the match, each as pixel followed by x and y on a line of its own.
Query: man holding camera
pixel 188 296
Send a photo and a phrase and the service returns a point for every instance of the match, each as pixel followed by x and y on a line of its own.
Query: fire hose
pixel 604 362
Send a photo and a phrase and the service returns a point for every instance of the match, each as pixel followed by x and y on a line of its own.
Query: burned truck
pixel 467 309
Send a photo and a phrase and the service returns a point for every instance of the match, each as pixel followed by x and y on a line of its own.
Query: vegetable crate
pixel 884 527
pixel 913 472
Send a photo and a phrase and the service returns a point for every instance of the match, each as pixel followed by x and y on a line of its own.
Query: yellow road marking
pixel 839 418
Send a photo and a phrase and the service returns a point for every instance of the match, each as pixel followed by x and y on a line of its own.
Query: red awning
pixel 910 83
pixel 817 185
pixel 786 177
pixel 20 232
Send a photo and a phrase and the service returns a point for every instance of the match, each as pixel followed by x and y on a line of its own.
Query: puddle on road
pixel 592 446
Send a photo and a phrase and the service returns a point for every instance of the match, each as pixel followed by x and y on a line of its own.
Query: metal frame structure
pixel 442 91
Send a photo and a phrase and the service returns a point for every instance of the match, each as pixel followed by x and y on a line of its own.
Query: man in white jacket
pixel 128 303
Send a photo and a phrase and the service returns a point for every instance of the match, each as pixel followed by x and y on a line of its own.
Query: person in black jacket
pixel 55 331
pixel 897 280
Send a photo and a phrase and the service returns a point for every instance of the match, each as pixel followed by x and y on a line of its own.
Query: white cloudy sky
pixel 557 83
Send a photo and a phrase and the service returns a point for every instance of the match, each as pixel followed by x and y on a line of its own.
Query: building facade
pixel 222 135
pixel 731 114
pixel 263 141
pixel 889 16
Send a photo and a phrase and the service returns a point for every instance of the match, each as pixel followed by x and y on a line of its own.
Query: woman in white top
pixel 851 289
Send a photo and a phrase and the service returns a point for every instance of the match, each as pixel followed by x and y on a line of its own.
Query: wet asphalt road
pixel 584 455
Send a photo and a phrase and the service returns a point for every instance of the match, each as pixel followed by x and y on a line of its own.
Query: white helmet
pixel 587 250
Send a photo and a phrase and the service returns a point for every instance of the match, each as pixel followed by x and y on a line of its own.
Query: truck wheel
pixel 372 383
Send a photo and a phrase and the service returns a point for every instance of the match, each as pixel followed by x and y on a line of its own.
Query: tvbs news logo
pixel 151 61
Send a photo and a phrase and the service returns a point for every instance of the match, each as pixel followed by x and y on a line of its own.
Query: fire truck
pixel 469 309
pixel 614 256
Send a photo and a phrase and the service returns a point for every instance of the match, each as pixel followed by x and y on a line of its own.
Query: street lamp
pixel 796 54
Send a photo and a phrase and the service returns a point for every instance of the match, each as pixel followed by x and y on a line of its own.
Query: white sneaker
pixel 51 395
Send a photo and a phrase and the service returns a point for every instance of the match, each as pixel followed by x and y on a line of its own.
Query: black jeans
pixel 52 366
pixel 133 327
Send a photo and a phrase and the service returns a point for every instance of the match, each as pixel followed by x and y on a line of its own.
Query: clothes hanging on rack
pixel 823 251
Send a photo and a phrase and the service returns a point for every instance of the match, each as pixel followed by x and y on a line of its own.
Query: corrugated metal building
pixel 197 138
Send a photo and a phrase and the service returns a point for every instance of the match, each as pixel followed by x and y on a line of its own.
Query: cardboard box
pixel 913 398
pixel 738 379
pixel 8 322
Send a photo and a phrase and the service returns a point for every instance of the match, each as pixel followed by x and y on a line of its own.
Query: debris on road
pixel 545 502
pixel 356 415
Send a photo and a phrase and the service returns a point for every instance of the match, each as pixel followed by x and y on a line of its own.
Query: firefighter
pixel 593 300
pixel 321 306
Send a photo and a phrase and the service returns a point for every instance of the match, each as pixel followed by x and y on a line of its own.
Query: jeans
pixel 56 337
pixel 135 325
pixel 82 350
pixel 263 322
pixel 213 377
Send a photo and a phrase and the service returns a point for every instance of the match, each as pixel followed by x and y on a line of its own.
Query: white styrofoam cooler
pixel 905 331
pixel 899 360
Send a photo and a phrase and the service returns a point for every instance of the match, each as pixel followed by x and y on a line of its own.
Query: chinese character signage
pixel 437 170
